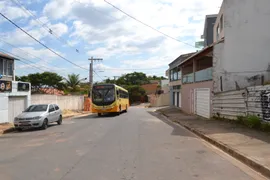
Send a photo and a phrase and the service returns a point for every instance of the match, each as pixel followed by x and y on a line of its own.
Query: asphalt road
pixel 138 145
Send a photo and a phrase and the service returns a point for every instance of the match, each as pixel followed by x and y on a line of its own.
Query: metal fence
pixel 250 101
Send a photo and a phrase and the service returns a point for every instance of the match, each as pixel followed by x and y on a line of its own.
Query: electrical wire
pixel 98 75
pixel 132 17
pixel 43 25
pixel 42 43
pixel 28 54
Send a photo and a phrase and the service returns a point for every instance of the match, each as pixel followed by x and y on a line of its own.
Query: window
pixel 1 66
pixel 10 68
pixel 221 23
pixel 36 108
pixel 6 67
pixel 218 30
pixel 56 107
pixel 51 108
pixel 171 75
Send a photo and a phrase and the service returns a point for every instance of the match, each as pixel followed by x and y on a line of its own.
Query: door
pixel 52 114
pixel 175 99
pixel 16 105
pixel 177 96
pixel 57 112
pixel 202 102
pixel 179 99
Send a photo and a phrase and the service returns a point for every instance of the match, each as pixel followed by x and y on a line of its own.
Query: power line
pixel 148 25
pixel 21 58
pixel 42 24
pixel 42 43
pixel 28 54
pixel 127 69
pixel 98 75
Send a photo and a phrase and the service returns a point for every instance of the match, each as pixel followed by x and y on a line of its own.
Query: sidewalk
pixel 247 145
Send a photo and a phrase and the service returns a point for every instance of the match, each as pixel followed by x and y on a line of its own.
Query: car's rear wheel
pixel 99 114
pixel 59 122
pixel 19 129
pixel 45 124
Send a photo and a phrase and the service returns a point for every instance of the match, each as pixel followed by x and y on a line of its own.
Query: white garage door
pixel 202 102
pixel 15 107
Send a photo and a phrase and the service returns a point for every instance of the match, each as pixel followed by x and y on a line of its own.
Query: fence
pixel 64 102
pixel 250 101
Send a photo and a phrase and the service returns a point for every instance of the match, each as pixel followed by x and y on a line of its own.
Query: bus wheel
pixel 126 108
pixel 99 114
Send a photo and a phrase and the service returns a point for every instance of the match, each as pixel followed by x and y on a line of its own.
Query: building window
pixel 221 23
pixel 171 75
pixel 6 67
pixel 9 68
pixel 1 66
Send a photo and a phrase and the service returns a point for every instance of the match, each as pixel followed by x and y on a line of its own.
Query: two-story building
pixel 175 76
pixel 243 59
pixel 191 76
pixel 14 96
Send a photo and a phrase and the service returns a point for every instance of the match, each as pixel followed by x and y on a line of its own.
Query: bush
pixel 265 126
pixel 253 121
pixel 240 119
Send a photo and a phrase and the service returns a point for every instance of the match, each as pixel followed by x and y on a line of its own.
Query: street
pixel 135 145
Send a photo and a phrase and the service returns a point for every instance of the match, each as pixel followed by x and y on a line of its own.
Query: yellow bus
pixel 109 98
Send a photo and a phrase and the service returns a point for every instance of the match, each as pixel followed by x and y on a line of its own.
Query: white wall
pixel 245 52
pixel 4 111
pixel 64 102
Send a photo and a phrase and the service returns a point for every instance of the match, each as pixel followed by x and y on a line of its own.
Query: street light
pixel 83 79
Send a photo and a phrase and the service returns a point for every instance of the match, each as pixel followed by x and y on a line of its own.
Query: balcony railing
pixel 188 78
pixel 204 75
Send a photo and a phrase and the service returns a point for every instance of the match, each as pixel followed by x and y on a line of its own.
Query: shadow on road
pixel 177 130
pixel 108 115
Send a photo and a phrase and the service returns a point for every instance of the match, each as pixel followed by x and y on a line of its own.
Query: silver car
pixel 38 116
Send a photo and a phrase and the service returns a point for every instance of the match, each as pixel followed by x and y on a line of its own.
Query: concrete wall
pixel 64 102
pixel 4 110
pixel 187 90
pixel 245 57
pixel 159 100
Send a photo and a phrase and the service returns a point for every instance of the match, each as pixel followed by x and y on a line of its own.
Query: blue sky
pixel 96 29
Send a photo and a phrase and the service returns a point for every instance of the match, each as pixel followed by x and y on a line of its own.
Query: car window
pixel 56 107
pixel 51 108
pixel 36 108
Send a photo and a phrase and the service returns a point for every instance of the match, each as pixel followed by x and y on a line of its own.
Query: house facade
pixel 175 77
pixel 242 59
pixel 14 96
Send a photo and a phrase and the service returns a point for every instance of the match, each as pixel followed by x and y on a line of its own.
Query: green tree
pixel 43 80
pixel 135 78
pixel 73 82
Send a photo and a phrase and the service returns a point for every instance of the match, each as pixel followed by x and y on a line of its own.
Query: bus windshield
pixel 103 94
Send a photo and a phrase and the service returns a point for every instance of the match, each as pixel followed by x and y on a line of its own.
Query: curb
pixel 254 165
pixel 12 129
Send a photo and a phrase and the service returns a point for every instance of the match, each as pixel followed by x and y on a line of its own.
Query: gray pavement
pixel 135 145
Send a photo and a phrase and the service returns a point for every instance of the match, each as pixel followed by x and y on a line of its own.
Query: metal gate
pixel 202 102
pixel 15 106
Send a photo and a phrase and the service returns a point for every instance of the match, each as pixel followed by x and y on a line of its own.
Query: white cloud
pixel 12 12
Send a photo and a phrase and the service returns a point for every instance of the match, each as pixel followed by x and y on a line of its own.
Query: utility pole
pixel 91 73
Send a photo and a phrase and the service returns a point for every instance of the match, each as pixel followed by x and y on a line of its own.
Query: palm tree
pixel 73 82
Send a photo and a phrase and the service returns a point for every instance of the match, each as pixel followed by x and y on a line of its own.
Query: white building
pixel 14 96
pixel 243 58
